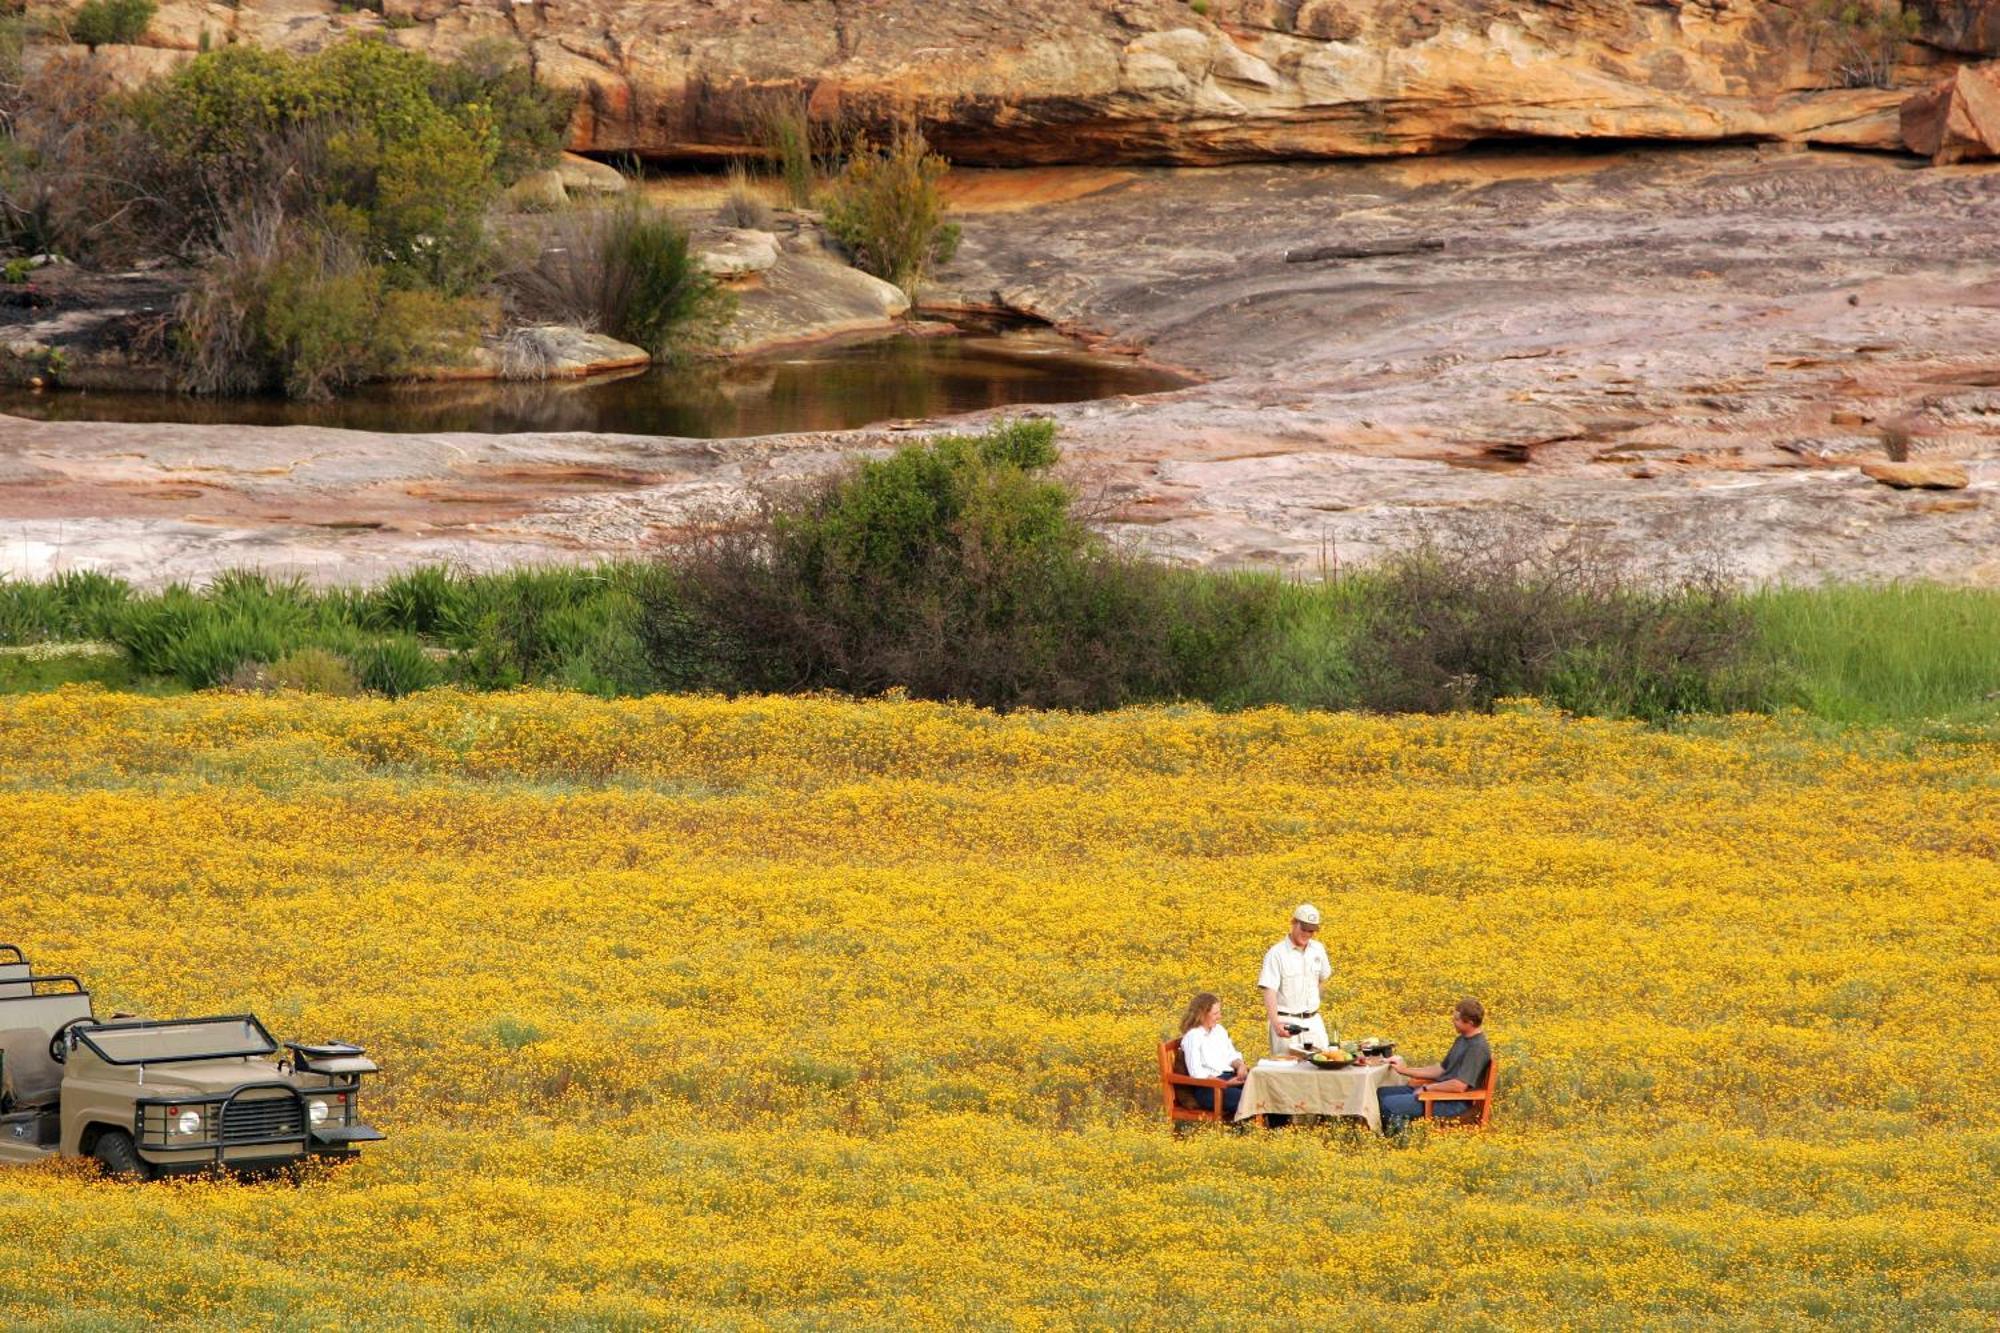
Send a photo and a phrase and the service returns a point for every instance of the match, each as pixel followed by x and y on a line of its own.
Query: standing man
pixel 1293 969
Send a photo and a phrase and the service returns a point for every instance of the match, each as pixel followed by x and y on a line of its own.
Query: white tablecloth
pixel 1290 1087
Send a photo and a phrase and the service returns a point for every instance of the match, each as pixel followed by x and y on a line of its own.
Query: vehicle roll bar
pixel 75 986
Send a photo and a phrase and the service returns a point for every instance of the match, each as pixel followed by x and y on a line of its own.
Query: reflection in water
pixel 825 388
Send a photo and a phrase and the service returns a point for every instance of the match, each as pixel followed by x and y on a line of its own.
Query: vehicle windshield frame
pixel 244 1047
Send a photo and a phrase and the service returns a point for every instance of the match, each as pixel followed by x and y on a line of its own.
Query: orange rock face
pixel 1959 119
pixel 1023 82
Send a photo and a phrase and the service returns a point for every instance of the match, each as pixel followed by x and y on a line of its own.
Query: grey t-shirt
pixel 1467 1059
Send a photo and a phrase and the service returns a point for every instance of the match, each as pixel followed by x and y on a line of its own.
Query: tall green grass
pixel 574 627
pixel 1898 652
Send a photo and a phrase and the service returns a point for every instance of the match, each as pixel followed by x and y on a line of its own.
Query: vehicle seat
pixel 36 1079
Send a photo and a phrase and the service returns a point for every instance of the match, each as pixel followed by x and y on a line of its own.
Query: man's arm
pixel 1271 1009
pixel 1419 1071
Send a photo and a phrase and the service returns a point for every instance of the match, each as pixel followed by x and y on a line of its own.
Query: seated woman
pixel 1464 1065
pixel 1209 1053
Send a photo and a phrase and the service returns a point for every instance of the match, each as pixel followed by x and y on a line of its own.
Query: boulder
pixel 1928 476
pixel 738 252
pixel 806 297
pixel 538 192
pixel 1958 120
pixel 581 175
pixel 548 352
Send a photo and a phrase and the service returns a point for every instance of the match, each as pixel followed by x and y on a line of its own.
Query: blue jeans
pixel 1400 1106
pixel 1231 1095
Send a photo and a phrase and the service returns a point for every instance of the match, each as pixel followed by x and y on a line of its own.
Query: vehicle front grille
pixel 245 1120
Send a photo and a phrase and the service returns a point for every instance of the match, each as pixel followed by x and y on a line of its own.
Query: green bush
pixel 353 137
pixel 887 209
pixel 111 22
pixel 661 297
pixel 396 666
pixel 959 570
pixel 490 79
pixel 296 310
pixel 627 271
pixel 71 606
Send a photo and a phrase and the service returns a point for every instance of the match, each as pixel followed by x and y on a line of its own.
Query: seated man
pixel 1464 1065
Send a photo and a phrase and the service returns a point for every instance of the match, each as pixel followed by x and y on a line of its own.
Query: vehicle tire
pixel 120 1159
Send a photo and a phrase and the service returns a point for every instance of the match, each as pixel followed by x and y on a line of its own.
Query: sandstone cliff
pixel 1005 82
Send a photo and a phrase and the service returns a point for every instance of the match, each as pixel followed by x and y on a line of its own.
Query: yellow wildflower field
pixel 816 1013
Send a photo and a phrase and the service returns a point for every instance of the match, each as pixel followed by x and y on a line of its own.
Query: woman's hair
pixel 1199 1005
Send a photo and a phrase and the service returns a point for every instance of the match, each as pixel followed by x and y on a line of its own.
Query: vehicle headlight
pixel 187 1122
pixel 318 1110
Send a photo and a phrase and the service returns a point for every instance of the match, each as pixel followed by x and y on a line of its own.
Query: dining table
pixel 1287 1086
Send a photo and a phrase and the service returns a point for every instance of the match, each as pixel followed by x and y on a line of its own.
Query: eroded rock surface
pixel 1012 82
pixel 1686 354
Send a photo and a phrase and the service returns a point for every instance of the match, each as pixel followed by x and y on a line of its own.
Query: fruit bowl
pixel 1334 1058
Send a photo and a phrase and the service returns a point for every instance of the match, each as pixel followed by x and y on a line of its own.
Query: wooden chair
pixel 1175 1083
pixel 1481 1098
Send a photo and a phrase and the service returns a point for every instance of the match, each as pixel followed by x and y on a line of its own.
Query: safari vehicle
pixel 145 1097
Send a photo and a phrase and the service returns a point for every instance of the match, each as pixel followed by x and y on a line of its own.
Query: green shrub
pixel 957 570
pixel 888 210
pixel 352 137
pixel 627 271
pixel 111 22
pixel 660 296
pixel 292 309
pixel 490 79
pixel 395 666
pixel 73 605
pixel 423 600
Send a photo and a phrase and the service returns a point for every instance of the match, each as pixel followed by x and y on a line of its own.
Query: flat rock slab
pixel 1685 355
pixel 804 297
pixel 1919 476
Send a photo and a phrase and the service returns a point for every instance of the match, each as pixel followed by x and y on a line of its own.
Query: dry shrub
pixel 745 206
pixel 288 306
pixel 802 151
pixel 888 210
pixel 59 188
pixel 313 671
pixel 1460 622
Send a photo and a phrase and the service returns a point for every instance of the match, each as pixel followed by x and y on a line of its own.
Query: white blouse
pixel 1209 1052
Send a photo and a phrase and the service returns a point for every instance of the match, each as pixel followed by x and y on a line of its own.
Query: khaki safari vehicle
pixel 145 1097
